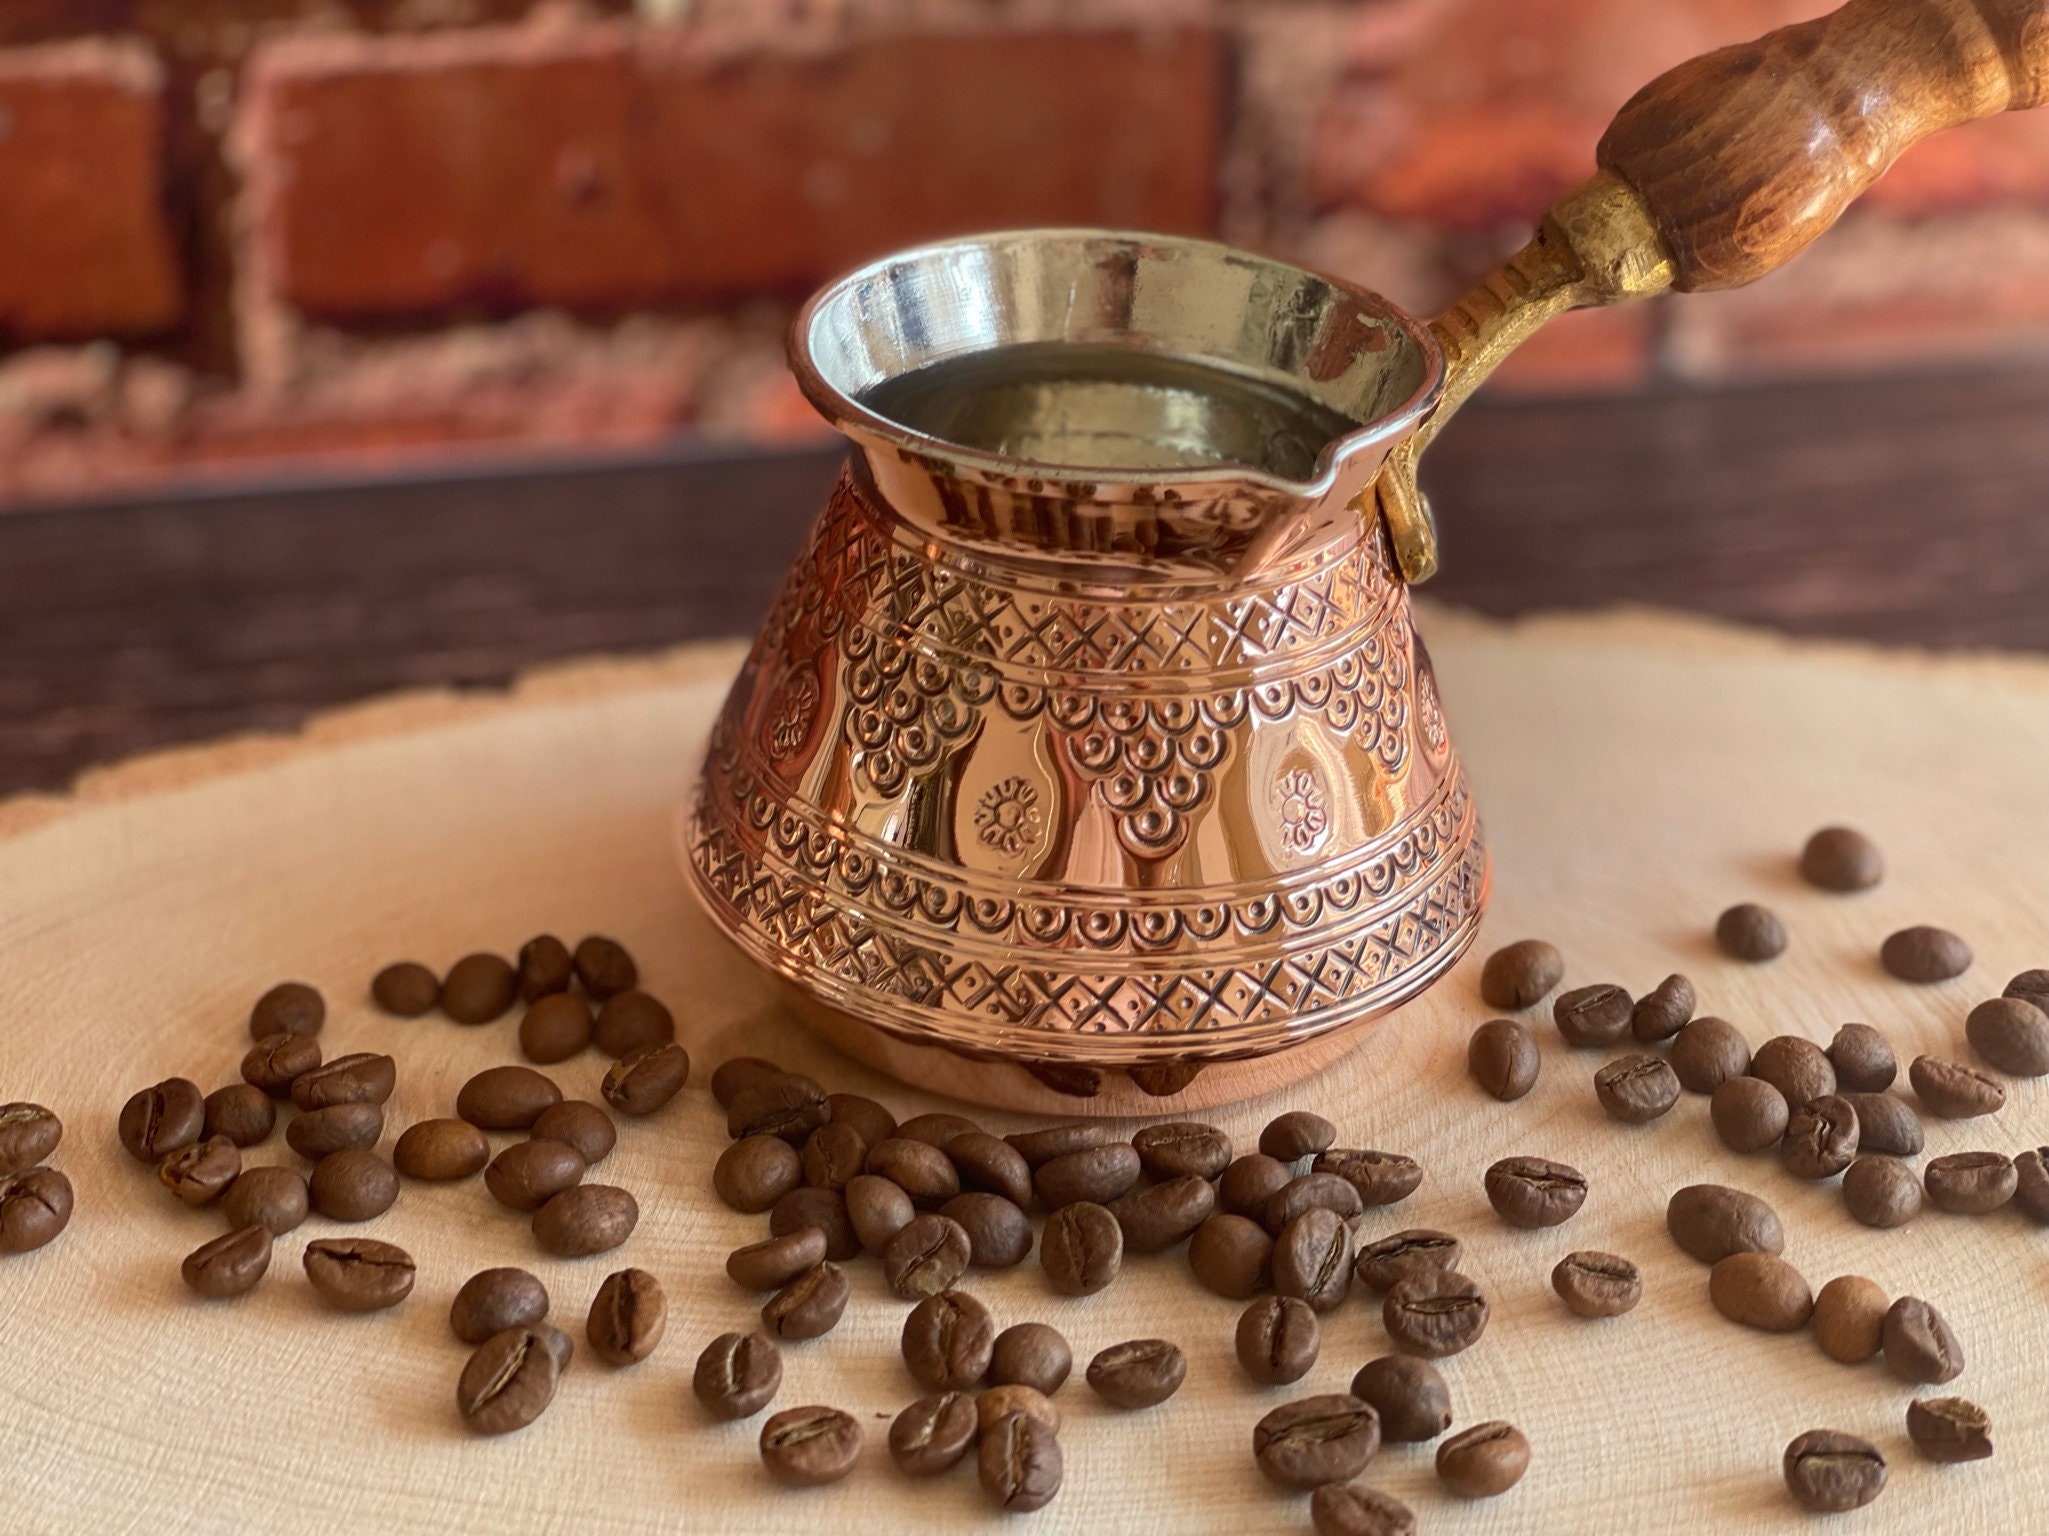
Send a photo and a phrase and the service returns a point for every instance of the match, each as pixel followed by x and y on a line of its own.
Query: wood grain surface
pixel 1636 776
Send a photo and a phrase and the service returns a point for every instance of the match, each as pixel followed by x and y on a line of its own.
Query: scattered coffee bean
pixel 275 1060
pixel 510 1380
pixel 1636 1089
pixel 557 1026
pixel 1278 1339
pixel 1749 1114
pixel 528 1174
pixel 772 1264
pixel 1138 1374
pixel 934 1433
pixel 1821 1138
pixel 1502 1058
pixel 506 1098
pixel 2031 1185
pixel 999 1232
pixel 163 1119
pixel 1074 1079
pixel 632 1022
pixel 582 1125
pixel 877 1210
pixel 1346 1509
pixel 1849 1318
pixel 1521 974
pixel 1533 1192
pixel 35 1206
pixel 1312 1191
pixel 29 1133
pixel 1841 859
pixel 737 1375
pixel 2030 987
pixel 1830 1472
pixel 1401 1254
pixel 604 967
pixel 1708 1052
pixel 869 1119
pixel 1295 1135
pixel 352 1185
pixel 824 1209
pixel 1316 1440
pixel 1019 1464
pixel 1863 1060
pixel 786 1105
pixel 478 989
pixel 926 1257
pixel 990 1165
pixel 1248 1182
pixel 628 1317
pixel 1182 1149
pixel 736 1072
pixel 201 1173
pixel 1663 1011
pixel 1796 1066
pixel 1712 1221
pixel 993 1404
pixel 493 1300
pixel 441 1150
pixel 1381 1178
pixel 1750 932
pixel 1949 1429
pixel 1483 1461
pixel 1434 1313
pixel 289 1008
pixel 2012 1034
pixel 274 1199
pixel 643 1082
pixel 240 1112
pixel 1312 1259
pixel 1409 1394
pixel 938 1129
pixel 1098 1175
pixel 1954 1091
pixel 1881 1191
pixel 948 1341
pixel 755 1172
pixel 1971 1183
pixel 362 1077
pixel 918 1168
pixel 407 989
pixel 1762 1291
pixel 591 1218
pixel 318 1133
pixel 1232 1256
pixel 1923 954
pixel 230 1265
pixel 1887 1123
pixel 1081 1249
pixel 1032 1355
pixel 544 968
pixel 1594 1284
pixel 1596 1015
pixel 811 1305
pixel 358 1274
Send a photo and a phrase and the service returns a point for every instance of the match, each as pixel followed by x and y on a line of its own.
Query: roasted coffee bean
pixel 934 1433
pixel 1099 1175
pixel 628 1317
pixel 201 1173
pixel 1520 974
pixel 1712 1221
pixel 1388 1259
pixel 362 1077
pixel 35 1206
pixel 1434 1313
pixel 1381 1178
pixel 1232 1256
pixel 824 1209
pixel 2031 1185
pixel 936 1129
pixel 1830 1472
pixel 1182 1149
pixel 1483 1461
pixel 773 1263
pixel 1346 1509
pixel 833 1155
pixel 1663 1011
pixel 918 1168
pixel 1919 1346
pixel 591 1218
pixel 1762 1291
pixel 1409 1395
pixel 1316 1440
pixel 1158 1216
pixel 493 1300
pixel 1595 1284
pixel 544 968
pixel 1019 1464
pixel 736 1072
pixel 1971 1183
pixel 999 1232
pixel 1313 1259
pixel 1881 1191
pixel 1596 1015
pixel 926 1257
pixel 1636 1089
pixel 994 1404
pixel 991 1165
pixel 1949 1429
pixel 1312 1191
pixel 506 1098
pixel 1863 1060
pixel 2030 987
pixel 1073 1079
pixel 1821 1138
pixel 643 1082
pixel 406 989
pixel 1707 1052
pixel 528 1174
pixel 240 1112
pixel 1502 1058
pixel 1841 859
pixel 1749 1114
pixel 358 1274
pixel 1954 1091
pixel 633 1022
pixel 737 1375
pixel 2012 1034
pixel 230 1265
pixel 440 1150
pixel 1138 1373
pixel 511 1378
pixel 1032 1355
pixel 1750 932
pixel 1849 1318
pixel 160 1120
pixel 289 1008
pixel 29 1133
pixel 1887 1123
pixel 478 988
pixel 1924 954
pixel 274 1199
pixel 862 1115
pixel 352 1185
pixel 1164 1079
pixel 318 1133
pixel 787 1106
pixel 556 1027
pixel 810 1305
pixel 1248 1182
pixel 1295 1135
pixel 877 1210
pixel 1796 1066
pixel 275 1060
pixel 1534 1191
pixel 755 1172
pixel 1278 1339
pixel 582 1125
pixel 604 967
pixel 948 1341
pixel 1081 1249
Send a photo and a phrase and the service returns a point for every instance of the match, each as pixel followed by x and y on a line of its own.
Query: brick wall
pixel 241 234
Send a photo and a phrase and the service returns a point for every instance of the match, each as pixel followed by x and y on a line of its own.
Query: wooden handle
pixel 1745 155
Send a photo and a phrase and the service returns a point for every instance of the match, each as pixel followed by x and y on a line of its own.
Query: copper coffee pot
pixel 1088 758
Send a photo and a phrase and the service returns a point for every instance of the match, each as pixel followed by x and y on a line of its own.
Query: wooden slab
pixel 1637 775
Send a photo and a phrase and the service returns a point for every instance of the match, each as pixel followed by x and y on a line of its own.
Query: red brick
pixel 606 166
pixel 86 243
